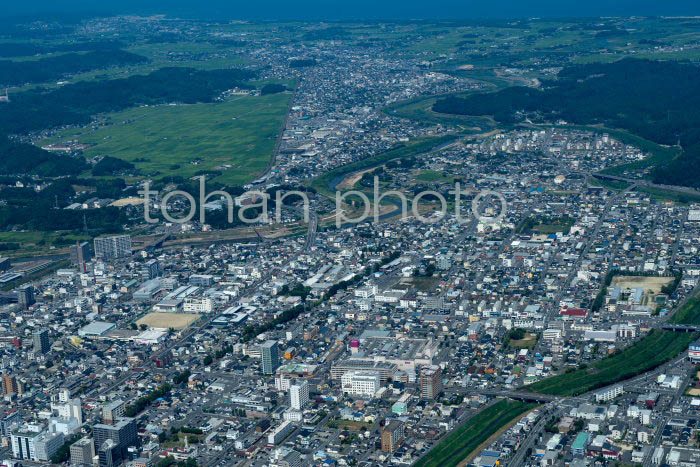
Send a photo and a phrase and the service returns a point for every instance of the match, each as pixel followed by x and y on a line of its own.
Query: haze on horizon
pixel 361 9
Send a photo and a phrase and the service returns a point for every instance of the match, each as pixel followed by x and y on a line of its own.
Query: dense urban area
pixel 522 294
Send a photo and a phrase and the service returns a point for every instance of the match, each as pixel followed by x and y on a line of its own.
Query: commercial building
pixel 148 290
pixel 694 353
pixel 118 246
pixel 201 280
pixel 71 408
pixel 392 436
pixel 386 370
pixel 286 457
pixel 287 374
pixel 270 355
pixel 96 329
pixel 360 383
pixel 22 441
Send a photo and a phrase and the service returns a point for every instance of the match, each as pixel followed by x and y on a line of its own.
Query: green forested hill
pixel 659 101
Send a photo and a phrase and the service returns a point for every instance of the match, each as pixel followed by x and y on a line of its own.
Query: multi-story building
pixel 82 452
pixel 142 462
pixel 112 411
pixel 80 254
pixel 9 422
pixel 40 338
pixel 280 433
pixel 34 443
pixel 392 435
pixel 25 296
pixel 694 352
pixel 22 441
pixel 430 382
pixel 285 457
pixel 608 394
pixel 70 409
pixel 47 444
pixel 151 269
pixel 299 395
pixel 270 356
pixel 118 246
pixel 201 280
pixel 112 441
pixel 360 383
pixel 10 385
pixel 386 370
pixel 198 305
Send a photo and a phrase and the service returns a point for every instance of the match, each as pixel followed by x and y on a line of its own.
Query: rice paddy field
pixel 236 137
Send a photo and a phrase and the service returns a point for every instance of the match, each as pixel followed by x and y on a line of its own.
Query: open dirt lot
pixel 647 283
pixel 176 321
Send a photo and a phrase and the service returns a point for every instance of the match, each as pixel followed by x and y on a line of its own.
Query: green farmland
pixel 187 139
pixel 656 348
pixel 459 444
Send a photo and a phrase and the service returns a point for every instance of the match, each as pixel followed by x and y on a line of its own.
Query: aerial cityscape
pixel 434 242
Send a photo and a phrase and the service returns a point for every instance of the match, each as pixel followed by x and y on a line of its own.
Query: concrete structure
pixel 270 356
pixel 80 254
pixel 360 383
pixel 112 441
pixel 694 353
pixel 385 370
pixel 118 246
pixel 609 394
pixel 430 382
pixel 82 453
pixel 392 435
pixel 299 395
pixel 25 296
pixel 40 338
pixel 280 433
pixel 34 443
pixel 112 411
pixel 10 385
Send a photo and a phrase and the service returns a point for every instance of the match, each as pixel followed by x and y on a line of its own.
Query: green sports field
pixel 236 137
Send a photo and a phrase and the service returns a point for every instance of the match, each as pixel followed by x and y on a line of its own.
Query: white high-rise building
pixel 299 395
